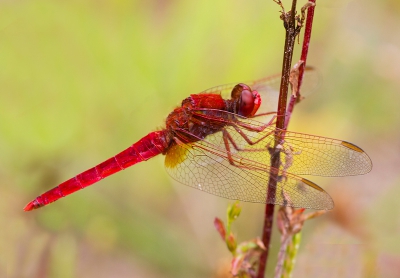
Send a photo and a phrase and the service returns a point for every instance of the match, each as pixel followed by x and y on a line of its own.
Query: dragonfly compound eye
pixel 249 102
pixel 237 90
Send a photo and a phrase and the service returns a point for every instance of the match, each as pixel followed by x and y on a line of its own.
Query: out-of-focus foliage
pixel 82 80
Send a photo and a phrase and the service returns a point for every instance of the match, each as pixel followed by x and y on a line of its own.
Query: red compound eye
pixel 249 101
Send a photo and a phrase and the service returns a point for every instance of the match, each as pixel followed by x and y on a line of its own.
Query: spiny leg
pixel 247 139
pixel 235 162
pixel 281 177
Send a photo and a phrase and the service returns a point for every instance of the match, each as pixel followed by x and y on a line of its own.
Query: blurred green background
pixel 82 80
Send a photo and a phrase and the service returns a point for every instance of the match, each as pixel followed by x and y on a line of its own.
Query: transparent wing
pixel 268 88
pixel 235 163
pixel 300 153
pixel 204 165
pixel 307 154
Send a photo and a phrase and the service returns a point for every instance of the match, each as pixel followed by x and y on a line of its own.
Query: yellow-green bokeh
pixel 82 80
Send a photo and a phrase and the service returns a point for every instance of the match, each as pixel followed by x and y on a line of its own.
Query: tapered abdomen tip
pixel 29 207
pixel 32 205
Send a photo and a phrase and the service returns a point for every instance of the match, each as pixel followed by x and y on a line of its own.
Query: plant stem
pixel 291 254
pixel 290 38
pixel 281 256
pixel 306 43
pixel 303 58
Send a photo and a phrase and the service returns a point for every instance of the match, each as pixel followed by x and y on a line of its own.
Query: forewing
pixel 306 154
pixel 268 88
pixel 300 153
pixel 205 165
pixel 239 167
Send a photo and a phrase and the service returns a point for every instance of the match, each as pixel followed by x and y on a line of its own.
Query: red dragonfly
pixel 214 144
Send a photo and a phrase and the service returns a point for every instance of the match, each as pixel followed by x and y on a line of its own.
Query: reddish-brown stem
pixel 290 26
pixel 306 43
pixel 303 58
pixel 281 123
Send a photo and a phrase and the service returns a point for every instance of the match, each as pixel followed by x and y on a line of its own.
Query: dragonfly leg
pixel 263 114
pixel 256 128
pixel 239 161
pixel 247 139
pixel 286 148
pixel 284 180
pixel 226 136
pixel 232 160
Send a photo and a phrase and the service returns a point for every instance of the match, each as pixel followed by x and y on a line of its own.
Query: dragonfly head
pixel 247 101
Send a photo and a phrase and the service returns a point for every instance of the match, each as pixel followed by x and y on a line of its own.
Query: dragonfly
pixel 215 142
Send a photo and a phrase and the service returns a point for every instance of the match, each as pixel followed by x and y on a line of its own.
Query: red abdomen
pixel 149 146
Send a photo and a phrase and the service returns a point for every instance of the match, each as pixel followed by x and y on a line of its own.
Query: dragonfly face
pixel 247 100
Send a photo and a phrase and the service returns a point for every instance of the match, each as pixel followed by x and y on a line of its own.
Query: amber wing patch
pixel 176 155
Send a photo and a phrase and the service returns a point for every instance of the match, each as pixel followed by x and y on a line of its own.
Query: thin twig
pixel 290 26
pixel 291 33
pixel 303 58
pixel 281 256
